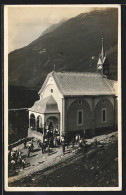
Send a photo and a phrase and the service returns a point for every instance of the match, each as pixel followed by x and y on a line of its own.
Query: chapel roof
pixel 81 83
pixel 46 105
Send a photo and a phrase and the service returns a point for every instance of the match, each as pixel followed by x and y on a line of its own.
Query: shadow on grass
pixel 12 173
pixel 33 155
pixel 36 150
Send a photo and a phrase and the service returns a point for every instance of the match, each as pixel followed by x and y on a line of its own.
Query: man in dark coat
pixel 29 150
pixel 63 146
pixel 73 143
pixel 42 147
pixel 25 143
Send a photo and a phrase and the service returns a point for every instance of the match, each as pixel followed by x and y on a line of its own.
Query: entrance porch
pixel 44 119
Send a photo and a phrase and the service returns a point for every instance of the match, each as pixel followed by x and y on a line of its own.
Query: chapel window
pixel 80 117
pixel 51 90
pixel 103 115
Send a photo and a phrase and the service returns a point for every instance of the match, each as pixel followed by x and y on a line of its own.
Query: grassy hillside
pixel 70 47
pixel 21 97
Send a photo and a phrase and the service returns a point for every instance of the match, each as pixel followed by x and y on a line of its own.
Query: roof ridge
pixel 45 82
pixel 74 72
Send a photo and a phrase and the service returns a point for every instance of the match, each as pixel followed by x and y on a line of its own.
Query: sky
pixel 25 24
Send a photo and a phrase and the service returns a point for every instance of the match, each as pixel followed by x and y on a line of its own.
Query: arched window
pixel 32 121
pixel 104 115
pixel 39 123
pixel 80 117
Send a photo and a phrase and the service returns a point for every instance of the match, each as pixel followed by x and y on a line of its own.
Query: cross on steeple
pixel 102 51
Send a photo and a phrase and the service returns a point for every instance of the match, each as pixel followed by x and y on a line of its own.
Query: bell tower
pixel 103 63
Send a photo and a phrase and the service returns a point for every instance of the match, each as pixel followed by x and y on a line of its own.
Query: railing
pixel 19 142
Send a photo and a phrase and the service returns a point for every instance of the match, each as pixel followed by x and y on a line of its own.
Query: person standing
pixel 29 150
pixel 20 161
pixel 25 143
pixel 23 163
pixel 85 148
pixel 67 142
pixel 51 142
pixel 58 140
pixel 63 147
pixel 48 149
pixel 80 143
pixel 73 143
pixel 54 141
pixel 13 165
pixel 76 139
pixel 39 144
pixel 32 145
pixel 42 148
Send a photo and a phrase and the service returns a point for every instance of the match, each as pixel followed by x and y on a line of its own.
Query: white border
pixel 119 188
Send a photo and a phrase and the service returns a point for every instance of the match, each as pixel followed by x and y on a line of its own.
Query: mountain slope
pixel 52 27
pixel 70 47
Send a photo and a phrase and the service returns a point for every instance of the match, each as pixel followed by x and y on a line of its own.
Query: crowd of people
pixel 15 158
pixel 15 155
pixel 49 141
pixel 77 140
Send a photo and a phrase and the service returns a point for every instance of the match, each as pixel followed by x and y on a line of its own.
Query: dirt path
pixel 39 161
pixel 98 167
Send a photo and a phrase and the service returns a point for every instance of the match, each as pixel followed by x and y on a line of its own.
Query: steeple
pixel 102 51
pixel 103 64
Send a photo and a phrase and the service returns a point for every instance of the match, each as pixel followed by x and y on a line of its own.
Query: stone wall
pixel 35 134
pixel 92 113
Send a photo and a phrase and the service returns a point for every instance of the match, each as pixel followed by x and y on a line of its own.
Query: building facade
pixel 74 102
